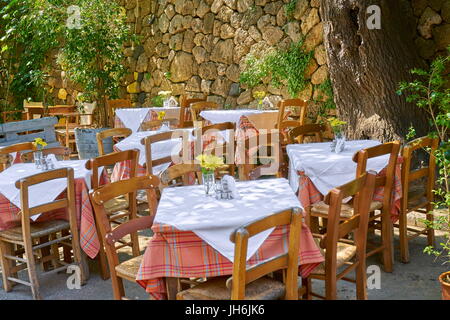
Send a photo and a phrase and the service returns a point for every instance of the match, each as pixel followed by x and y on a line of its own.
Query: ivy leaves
pixel 282 67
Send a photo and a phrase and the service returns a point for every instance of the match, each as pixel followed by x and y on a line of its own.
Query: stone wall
pixel 199 46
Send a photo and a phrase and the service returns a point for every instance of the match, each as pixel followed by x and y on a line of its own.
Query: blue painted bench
pixel 28 130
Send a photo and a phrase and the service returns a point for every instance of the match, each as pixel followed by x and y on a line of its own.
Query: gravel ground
pixel 416 280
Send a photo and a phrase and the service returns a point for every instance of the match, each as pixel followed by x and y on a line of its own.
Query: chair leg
pixel 430 218
pixel 7 265
pixel 330 287
pixel 387 241
pixel 306 282
pixel 117 286
pixel 103 263
pixel 403 234
pixel 361 281
pixel 32 275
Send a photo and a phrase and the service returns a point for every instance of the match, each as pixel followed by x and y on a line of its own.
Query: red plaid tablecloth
pixel 182 254
pixel 10 217
pixel 308 193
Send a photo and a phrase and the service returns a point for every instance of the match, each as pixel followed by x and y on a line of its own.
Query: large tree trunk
pixel 367 65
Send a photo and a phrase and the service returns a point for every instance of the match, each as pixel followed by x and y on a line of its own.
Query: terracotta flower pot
pixel 445 286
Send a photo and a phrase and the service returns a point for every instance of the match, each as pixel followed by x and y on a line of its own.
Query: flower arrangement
pixel 39 143
pixel 161 115
pixel 336 125
pixel 259 95
pixel 209 163
pixel 165 94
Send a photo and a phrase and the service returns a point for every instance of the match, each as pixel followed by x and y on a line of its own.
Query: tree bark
pixel 366 67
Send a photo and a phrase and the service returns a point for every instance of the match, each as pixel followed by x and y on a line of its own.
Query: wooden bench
pixel 28 130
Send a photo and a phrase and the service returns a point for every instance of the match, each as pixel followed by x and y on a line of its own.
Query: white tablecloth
pixel 220 116
pixel 160 149
pixel 327 169
pixel 133 117
pixel 44 192
pixel 189 209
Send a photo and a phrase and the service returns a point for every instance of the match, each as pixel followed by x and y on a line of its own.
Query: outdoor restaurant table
pixel 132 118
pixel 192 230
pixel 47 192
pixel 314 170
pixel 160 150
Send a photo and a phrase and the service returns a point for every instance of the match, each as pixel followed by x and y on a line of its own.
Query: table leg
pixel 171 288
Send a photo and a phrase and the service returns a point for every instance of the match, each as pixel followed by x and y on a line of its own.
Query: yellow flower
pixel 39 143
pixel 336 123
pixel 161 115
pixel 209 162
pixel 259 95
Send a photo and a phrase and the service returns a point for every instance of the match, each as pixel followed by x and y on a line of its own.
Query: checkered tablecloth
pixel 182 254
pixel 10 217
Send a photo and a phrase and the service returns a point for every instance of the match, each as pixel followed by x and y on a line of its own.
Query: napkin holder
pixel 226 189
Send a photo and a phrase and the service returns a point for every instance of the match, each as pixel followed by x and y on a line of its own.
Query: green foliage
pixel 325 99
pixel 32 30
pixel 158 101
pixel 92 55
pixel 289 8
pixel 282 67
pixel 431 92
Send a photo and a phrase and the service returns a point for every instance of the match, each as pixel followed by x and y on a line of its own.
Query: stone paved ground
pixel 416 280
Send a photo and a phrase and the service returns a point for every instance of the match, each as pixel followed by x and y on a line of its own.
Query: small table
pixel 133 117
pixel 191 233
pixel 314 170
pixel 47 192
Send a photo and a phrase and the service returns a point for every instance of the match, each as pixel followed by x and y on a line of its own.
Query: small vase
pixel 38 156
pixel 208 182
pixel 338 144
pixel 166 103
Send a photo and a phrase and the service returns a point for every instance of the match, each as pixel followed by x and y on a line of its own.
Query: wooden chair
pixel 253 283
pixel 224 149
pixel 65 129
pixel 13 115
pixel 151 125
pixel 185 120
pixel 110 133
pixel 33 110
pixel 60 152
pixel 112 105
pixel 26 234
pixel 417 188
pixel 18 147
pixel 178 175
pixel 300 109
pixel 386 181
pixel 338 251
pixel 118 209
pixel 110 237
pixel 298 133
pixel 198 107
pixel 261 155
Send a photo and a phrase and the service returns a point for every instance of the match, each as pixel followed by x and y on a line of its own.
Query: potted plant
pixel 431 92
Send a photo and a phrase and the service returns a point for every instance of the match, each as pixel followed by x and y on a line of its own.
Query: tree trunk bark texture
pixel 366 67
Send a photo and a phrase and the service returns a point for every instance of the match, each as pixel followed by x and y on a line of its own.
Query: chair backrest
pixel 151 125
pixel 33 110
pixel 13 116
pixel 312 129
pixel 108 192
pixel 68 202
pixel 259 155
pixel 426 171
pixel 300 106
pixel 198 107
pixel 60 152
pixel 185 120
pixel 147 143
pixel 5 151
pixel 362 189
pixel 112 105
pixel 387 180
pixel 28 130
pixel 111 160
pixel 109 133
pixel 178 175
pixel 288 261
pixel 213 141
